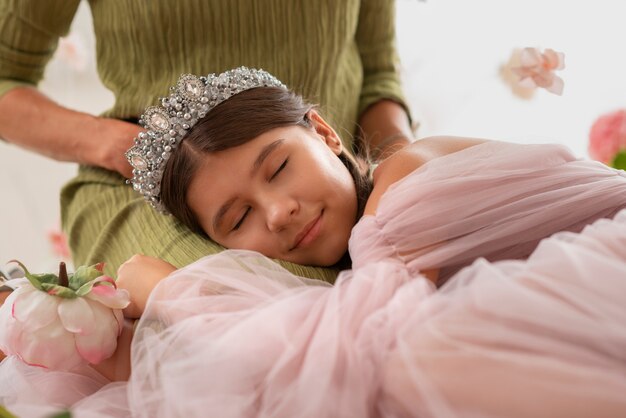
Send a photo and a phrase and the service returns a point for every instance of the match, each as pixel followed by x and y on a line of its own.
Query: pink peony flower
pixel 61 322
pixel 536 69
pixel 607 137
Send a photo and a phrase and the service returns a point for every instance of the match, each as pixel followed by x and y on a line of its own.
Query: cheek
pixel 343 198
pixel 344 189
pixel 252 239
pixel 255 242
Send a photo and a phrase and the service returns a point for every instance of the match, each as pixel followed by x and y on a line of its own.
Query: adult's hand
pixel 385 129
pixel 31 120
pixel 107 150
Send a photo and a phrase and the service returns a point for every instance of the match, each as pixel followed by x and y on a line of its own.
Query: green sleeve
pixel 376 40
pixel 29 34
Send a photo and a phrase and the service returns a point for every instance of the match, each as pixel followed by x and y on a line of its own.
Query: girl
pixel 237 335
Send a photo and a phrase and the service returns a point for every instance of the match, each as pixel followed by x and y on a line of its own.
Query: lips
pixel 308 233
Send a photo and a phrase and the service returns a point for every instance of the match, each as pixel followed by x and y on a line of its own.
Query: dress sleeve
pixel 376 40
pixel 29 34
pixel 494 200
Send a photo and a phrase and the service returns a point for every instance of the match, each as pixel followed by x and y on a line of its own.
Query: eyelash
pixel 243 218
pixel 236 227
pixel 282 166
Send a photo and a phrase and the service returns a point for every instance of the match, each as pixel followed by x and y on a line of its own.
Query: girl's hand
pixel 139 275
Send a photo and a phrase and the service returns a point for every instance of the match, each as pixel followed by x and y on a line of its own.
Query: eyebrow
pixel 217 220
pixel 265 152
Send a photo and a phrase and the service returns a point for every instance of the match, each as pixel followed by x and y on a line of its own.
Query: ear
pixel 325 131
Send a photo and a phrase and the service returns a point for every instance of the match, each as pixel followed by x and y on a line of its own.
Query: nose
pixel 280 211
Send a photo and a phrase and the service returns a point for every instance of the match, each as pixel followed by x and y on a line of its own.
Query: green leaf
pixel 57 290
pixel 65 414
pixel 83 275
pixel 86 288
pixel 5 414
pixel 47 278
pixel 31 278
pixel 619 161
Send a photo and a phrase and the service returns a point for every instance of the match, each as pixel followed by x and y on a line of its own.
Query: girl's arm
pixel 408 159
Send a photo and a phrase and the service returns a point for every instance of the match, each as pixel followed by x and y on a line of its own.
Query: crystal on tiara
pixel 190 87
pixel 166 125
pixel 156 119
pixel 138 162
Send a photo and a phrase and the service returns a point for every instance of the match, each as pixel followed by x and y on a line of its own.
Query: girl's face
pixel 285 194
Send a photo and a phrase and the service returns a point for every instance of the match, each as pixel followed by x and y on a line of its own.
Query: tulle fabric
pixel 544 337
pixel 236 335
pixel 266 348
pixel 30 391
pixel 495 200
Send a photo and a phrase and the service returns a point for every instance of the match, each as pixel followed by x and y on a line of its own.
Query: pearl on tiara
pixel 166 125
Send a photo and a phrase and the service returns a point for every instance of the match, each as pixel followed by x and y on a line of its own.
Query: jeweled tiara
pixel 166 125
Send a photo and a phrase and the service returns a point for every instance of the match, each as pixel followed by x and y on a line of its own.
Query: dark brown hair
pixel 234 122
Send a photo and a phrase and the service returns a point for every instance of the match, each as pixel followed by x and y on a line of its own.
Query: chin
pixel 332 257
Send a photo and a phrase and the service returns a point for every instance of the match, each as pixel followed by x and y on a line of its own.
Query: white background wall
pixel 451 51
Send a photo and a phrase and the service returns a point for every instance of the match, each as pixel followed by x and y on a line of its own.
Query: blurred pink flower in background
pixel 607 137
pixel 72 52
pixel 529 68
pixel 536 69
pixel 58 242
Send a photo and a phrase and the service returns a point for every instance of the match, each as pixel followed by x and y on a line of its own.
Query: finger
pixel 125 169
pixel 132 311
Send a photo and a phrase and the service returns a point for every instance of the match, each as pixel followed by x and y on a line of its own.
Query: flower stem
pixel 63 280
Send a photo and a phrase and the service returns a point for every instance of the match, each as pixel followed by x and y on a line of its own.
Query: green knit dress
pixel 337 53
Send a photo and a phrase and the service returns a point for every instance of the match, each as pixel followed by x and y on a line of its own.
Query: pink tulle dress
pixel 531 320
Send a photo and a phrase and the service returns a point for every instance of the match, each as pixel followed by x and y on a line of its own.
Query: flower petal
pixel 554 60
pixel 83 275
pixel 537 69
pixel 15 283
pixel 96 347
pixel 544 79
pixel 77 316
pixel 34 309
pixel 86 287
pixel 557 86
pixel 527 83
pixel 10 328
pixel 51 347
pixel 106 279
pixel 530 57
pixel 109 296
pixel 102 343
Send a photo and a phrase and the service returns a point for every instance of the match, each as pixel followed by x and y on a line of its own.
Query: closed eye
pixel 243 218
pixel 282 166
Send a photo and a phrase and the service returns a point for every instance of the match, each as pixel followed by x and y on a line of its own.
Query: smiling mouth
pixel 309 233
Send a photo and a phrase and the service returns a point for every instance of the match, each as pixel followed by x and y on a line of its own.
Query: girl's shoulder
pixel 407 160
